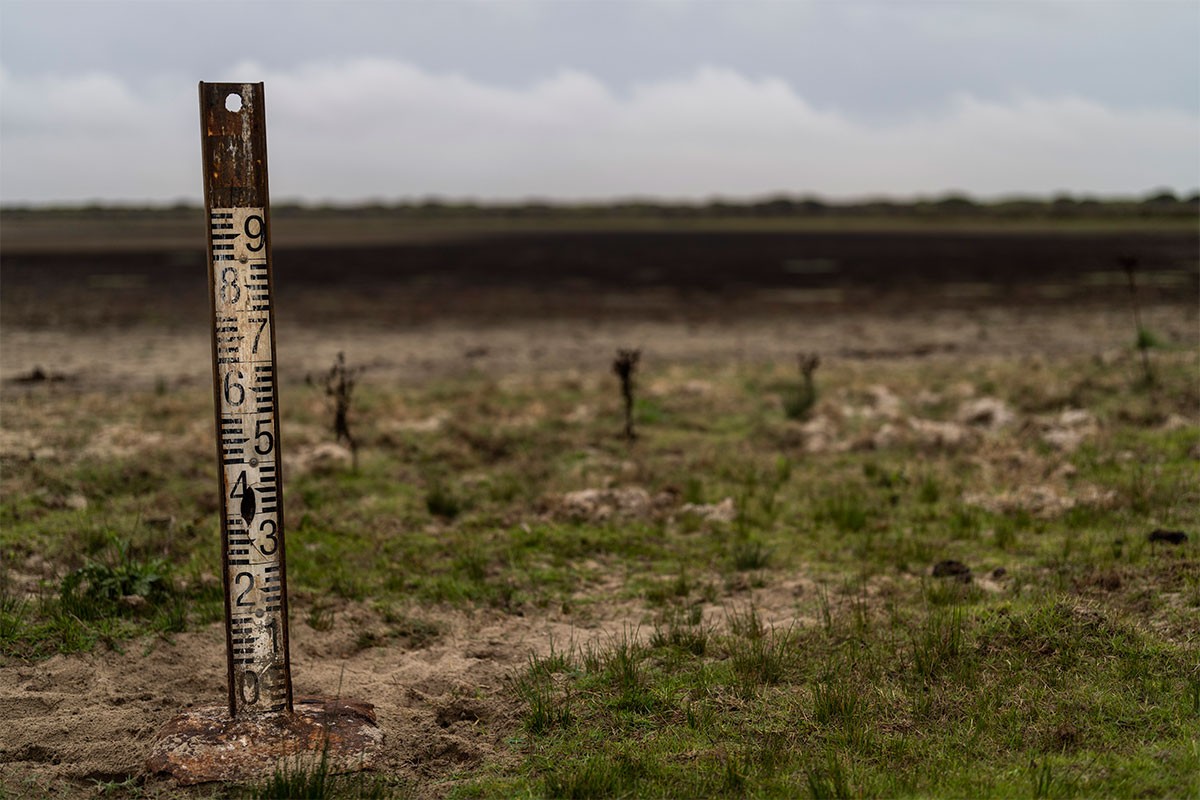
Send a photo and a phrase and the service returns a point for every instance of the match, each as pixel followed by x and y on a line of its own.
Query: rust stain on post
pixel 235 146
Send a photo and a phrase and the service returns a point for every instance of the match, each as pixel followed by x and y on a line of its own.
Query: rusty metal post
pixel 260 725
pixel 234 144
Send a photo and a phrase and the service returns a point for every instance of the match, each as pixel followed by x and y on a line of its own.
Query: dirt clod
pixel 601 504
pixel 724 511
pixel 989 413
pixel 1167 537
pixel 949 568
pixel 39 375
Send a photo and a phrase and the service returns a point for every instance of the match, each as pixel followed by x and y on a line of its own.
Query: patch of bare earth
pixel 145 356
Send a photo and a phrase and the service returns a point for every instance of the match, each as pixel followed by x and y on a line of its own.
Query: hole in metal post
pixel 233 102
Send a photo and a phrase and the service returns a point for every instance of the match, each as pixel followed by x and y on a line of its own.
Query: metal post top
pixel 234 141
pixel 217 93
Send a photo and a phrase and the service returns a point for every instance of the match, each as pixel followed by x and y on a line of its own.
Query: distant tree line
pixel 1160 204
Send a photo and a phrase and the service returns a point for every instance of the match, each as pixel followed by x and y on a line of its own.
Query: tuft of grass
pixel 693 490
pixel 622 667
pixel 547 706
pixel 937 645
pixel 472 565
pixel 306 778
pixel 750 554
pixel 835 702
pixel 13 611
pixel 130 787
pixel 174 617
pixel 760 656
pixel 930 490
pixel 546 709
pixel 964 522
pixel 1146 340
pixel 846 510
pixel 683 630
pixel 828 781
pixel 320 618
pixel 121 585
pixel 417 632
pixel 949 592
pixel 745 624
pixel 599 776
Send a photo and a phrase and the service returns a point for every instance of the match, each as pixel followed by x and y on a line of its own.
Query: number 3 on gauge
pixel 267 542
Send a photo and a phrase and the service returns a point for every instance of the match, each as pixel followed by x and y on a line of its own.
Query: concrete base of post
pixel 206 744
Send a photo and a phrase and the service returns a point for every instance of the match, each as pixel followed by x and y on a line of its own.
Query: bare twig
pixel 806 394
pixel 1130 264
pixel 624 366
pixel 339 385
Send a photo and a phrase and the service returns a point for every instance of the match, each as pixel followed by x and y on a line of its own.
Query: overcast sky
pixel 509 99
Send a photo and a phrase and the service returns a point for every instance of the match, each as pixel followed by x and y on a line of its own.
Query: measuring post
pixel 237 207
pixel 261 723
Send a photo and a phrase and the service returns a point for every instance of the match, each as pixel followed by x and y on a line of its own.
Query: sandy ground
pixel 77 721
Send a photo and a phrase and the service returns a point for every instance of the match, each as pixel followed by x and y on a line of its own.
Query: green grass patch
pixel 116 597
pixel 1040 697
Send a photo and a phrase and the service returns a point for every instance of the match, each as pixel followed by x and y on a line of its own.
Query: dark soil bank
pixel 571 273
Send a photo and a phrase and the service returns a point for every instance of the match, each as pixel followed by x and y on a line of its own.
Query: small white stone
pixel 990 413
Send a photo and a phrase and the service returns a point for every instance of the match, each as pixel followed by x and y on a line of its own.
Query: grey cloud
pixel 870 60
pixel 384 128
